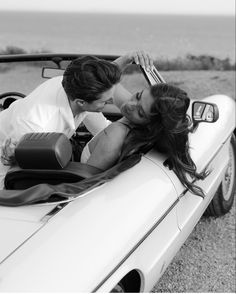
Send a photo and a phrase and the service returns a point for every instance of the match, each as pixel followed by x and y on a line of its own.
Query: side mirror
pixel 50 72
pixel 204 112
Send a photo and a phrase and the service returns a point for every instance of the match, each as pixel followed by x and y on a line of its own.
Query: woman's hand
pixel 8 152
pixel 142 58
pixel 138 57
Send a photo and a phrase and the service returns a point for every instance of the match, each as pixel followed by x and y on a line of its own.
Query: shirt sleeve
pixel 95 122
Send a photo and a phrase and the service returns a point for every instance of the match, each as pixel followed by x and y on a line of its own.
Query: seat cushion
pixel 43 151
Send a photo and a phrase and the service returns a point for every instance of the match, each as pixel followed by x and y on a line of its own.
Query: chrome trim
pixel 19 246
pixel 57 57
pixel 44 221
pixel 53 212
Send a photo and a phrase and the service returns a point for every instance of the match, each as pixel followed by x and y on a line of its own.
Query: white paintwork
pixel 90 236
pixel 152 256
pixel 85 241
pixel 18 224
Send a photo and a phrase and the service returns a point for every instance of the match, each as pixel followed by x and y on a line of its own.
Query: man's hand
pixel 139 57
pixel 8 152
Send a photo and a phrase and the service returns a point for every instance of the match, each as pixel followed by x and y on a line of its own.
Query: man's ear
pixel 81 103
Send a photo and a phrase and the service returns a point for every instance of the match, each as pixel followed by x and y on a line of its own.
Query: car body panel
pixel 18 224
pixel 93 233
pixel 151 257
pixel 146 259
pixel 190 206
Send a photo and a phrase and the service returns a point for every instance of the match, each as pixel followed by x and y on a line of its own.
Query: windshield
pixel 24 77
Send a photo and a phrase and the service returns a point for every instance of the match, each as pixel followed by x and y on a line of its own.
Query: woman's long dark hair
pixel 167 132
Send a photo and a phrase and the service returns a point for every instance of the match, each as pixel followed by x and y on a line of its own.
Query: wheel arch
pixel 132 281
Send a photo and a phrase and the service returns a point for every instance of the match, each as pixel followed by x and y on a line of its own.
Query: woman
pixel 153 118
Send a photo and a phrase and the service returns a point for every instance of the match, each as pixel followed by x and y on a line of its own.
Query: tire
pixel 119 288
pixel 224 196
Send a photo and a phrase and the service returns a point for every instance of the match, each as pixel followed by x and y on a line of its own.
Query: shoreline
pixel 187 62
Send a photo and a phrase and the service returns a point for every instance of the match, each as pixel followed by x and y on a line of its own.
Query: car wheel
pixel 119 288
pixel 224 197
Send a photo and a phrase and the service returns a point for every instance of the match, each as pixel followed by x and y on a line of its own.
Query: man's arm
pixel 95 122
pixel 121 95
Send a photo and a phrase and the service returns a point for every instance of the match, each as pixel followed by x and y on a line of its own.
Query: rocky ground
pixel 206 262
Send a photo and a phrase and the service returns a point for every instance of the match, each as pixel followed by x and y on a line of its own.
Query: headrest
pixel 43 151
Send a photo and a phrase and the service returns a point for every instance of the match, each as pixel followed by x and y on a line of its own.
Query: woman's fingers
pixel 143 58
pixel 136 57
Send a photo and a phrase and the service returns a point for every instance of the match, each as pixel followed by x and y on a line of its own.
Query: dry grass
pixel 198 84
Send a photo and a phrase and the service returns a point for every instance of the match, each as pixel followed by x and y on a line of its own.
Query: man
pixel 62 103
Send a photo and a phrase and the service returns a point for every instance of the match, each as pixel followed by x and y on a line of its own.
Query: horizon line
pixel 116 13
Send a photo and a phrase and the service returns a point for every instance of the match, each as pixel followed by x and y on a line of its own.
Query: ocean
pixel 163 36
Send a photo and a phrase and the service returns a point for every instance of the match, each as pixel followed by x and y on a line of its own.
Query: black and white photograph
pixel 117 146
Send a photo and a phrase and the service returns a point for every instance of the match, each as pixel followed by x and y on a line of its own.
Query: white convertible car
pixel 112 233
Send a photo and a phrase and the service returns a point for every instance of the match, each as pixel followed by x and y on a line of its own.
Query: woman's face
pixel 138 108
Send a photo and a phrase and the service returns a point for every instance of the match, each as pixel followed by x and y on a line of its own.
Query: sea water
pixel 167 36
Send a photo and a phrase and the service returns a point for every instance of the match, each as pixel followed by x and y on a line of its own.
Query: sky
pixel 214 7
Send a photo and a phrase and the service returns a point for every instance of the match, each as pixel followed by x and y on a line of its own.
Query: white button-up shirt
pixel 46 109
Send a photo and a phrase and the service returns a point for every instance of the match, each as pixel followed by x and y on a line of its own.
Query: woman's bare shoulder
pixel 116 129
pixel 111 138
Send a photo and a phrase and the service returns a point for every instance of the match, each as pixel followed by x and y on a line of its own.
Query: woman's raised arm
pixel 105 151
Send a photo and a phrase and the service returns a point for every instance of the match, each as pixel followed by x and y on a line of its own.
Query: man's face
pixel 138 108
pixel 98 105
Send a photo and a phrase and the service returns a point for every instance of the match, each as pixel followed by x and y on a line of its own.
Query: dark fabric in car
pixel 65 191
pixel 19 179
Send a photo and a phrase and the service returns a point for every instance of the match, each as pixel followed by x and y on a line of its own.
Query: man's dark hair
pixel 88 77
